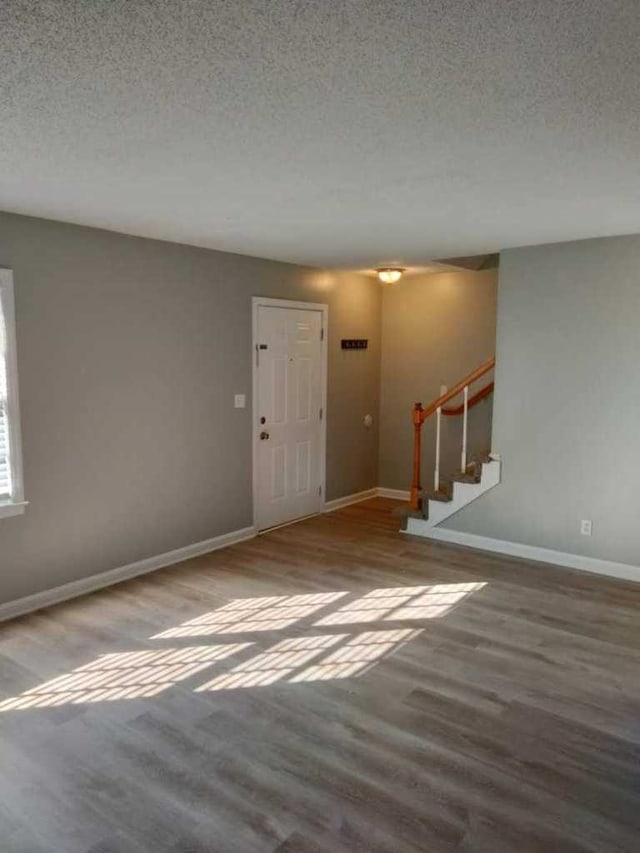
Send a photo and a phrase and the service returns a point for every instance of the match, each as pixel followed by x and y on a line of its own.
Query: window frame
pixel 16 503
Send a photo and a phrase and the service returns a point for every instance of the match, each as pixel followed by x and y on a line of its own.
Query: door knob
pixel 264 436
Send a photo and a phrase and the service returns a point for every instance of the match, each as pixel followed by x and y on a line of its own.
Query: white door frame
pixel 264 301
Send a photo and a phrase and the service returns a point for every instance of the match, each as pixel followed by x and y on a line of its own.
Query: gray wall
pixel 130 352
pixel 567 404
pixel 435 329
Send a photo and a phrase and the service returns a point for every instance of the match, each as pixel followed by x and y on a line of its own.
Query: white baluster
pixel 436 473
pixel 463 467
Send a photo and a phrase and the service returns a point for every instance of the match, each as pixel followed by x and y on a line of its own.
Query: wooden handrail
pixel 419 416
pixel 473 401
pixel 459 388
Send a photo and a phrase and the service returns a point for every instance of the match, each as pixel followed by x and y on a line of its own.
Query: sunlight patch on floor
pixel 123 675
pixel 246 615
pixel 357 656
pixel 284 661
pixel 293 660
pixel 274 664
pixel 401 603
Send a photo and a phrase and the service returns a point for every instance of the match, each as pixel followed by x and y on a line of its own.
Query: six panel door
pixel 288 417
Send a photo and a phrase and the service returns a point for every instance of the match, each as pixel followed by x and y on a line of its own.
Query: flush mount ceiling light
pixel 390 275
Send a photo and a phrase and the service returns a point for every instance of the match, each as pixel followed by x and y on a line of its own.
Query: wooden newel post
pixel 415 499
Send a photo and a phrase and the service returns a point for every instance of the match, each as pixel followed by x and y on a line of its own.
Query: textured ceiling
pixel 325 132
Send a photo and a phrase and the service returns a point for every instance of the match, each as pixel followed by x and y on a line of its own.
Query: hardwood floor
pixel 330 686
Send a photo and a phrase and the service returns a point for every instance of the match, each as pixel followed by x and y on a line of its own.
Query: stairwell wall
pixel 435 329
pixel 566 417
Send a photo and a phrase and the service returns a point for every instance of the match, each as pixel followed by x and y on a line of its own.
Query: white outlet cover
pixel 368 420
pixel 239 401
pixel 586 527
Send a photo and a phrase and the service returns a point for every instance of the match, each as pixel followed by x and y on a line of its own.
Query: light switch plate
pixel 239 401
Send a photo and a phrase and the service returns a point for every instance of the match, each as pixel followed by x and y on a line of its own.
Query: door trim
pixel 323 309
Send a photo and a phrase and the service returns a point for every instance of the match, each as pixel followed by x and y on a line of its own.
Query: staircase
pixel 430 507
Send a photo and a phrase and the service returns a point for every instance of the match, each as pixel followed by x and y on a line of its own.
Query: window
pixel 11 489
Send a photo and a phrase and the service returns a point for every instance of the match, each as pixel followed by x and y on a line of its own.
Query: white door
pixel 288 415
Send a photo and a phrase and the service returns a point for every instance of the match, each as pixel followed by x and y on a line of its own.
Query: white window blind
pixel 11 488
pixel 5 470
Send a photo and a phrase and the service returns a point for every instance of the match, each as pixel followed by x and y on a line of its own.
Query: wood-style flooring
pixel 330 686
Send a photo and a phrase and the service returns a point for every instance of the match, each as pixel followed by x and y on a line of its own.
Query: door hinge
pixel 322 333
pixel 320 490
pixel 321 413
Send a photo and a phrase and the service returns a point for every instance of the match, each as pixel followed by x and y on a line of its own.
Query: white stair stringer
pixel 463 494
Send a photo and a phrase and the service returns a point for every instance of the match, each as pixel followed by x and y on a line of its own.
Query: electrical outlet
pixel 239 401
pixel 586 527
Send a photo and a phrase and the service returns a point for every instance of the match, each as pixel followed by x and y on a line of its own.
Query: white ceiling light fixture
pixel 390 275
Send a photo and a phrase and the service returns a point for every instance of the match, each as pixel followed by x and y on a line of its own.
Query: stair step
pixel 442 495
pixel 466 476
pixel 483 477
pixel 405 512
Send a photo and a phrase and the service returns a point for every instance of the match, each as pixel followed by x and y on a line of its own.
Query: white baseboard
pixel 395 494
pixel 338 503
pixel 624 571
pixel 95 582
pixel 378 492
